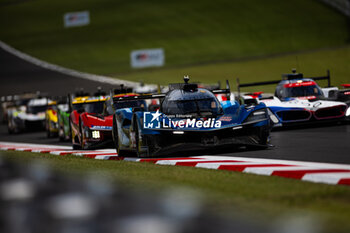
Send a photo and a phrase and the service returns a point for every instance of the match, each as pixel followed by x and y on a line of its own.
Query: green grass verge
pixel 190 32
pixel 259 196
pixel 310 63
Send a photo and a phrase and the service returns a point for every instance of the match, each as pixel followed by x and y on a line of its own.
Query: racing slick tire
pixel 69 131
pixel 116 139
pixel 82 137
pixel 264 138
pixel 61 136
pixel 74 146
pixel 141 152
pixel 9 128
pixel 49 134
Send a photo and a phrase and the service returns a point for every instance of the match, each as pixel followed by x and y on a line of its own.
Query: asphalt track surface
pixel 322 143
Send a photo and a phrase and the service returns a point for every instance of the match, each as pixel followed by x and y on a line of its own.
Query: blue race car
pixel 188 118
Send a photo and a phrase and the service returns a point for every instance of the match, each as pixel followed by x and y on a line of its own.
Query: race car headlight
pixel 95 134
pixel 178 132
pixel 273 117
pixel 347 112
pixel 257 115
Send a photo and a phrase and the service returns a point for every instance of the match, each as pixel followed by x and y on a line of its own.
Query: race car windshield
pixel 77 106
pixel 197 108
pixel 129 104
pixel 302 91
pixel 36 109
pixel 22 102
pixel 94 107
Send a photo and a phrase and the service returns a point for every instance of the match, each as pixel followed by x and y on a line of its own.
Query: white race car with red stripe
pixel 299 99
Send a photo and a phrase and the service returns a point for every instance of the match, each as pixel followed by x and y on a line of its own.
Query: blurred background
pixel 158 42
pixel 253 40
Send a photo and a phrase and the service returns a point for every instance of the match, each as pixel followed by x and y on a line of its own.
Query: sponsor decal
pixel 147 58
pixel 225 118
pixel 158 120
pixel 151 120
pixel 76 19
pixel 300 84
pixel 101 127
pixel 312 97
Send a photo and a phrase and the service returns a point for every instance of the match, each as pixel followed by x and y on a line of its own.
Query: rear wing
pixel 284 77
pixel 140 97
pixel 327 77
pixel 226 91
pixel 194 86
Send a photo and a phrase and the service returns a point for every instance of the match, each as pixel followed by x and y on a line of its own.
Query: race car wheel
pixel 48 132
pixel 116 138
pixel 141 145
pixel 74 141
pixel 69 131
pixel 139 153
pixel 9 127
pixel 264 136
pixel 82 137
pixel 61 135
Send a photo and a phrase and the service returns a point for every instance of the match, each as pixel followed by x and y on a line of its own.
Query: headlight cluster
pixel 95 134
pixel 88 133
pixel 272 116
pixel 257 115
pixel 347 112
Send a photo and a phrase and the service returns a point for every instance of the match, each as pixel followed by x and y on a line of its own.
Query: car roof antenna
pixel 186 79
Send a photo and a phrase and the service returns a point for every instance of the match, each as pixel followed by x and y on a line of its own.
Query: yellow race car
pixel 51 123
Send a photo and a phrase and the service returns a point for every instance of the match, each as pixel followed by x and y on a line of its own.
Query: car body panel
pixel 301 100
pixel 312 107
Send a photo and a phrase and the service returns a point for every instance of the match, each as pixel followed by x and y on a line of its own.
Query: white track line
pixel 66 71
